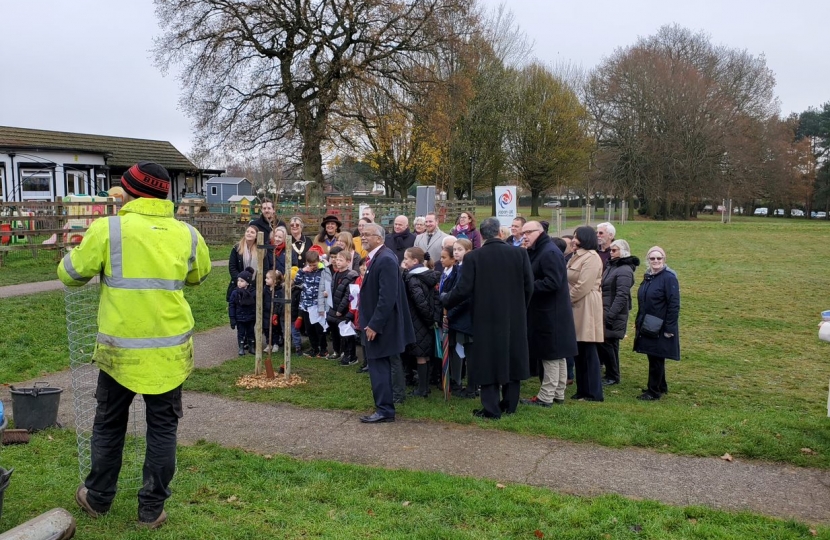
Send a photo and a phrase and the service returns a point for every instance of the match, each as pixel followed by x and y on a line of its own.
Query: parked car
pixel 738 210
pixel 760 212
pixel 553 204
pixel 779 212
pixel 707 209
pixel 821 215
pixel 795 212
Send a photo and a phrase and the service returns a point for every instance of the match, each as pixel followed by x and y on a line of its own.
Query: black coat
pixel 499 280
pixel 304 244
pixel 242 305
pixel 617 281
pixel 420 291
pixel 550 321
pixel 384 308
pixel 400 242
pixel 460 317
pixel 236 265
pixel 340 282
pixel 262 224
pixel 278 304
pixel 659 295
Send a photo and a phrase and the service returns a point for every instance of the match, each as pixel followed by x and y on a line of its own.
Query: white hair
pixel 448 241
pixel 608 228
pixel 625 249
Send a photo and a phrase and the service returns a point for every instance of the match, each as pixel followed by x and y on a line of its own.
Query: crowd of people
pixel 513 301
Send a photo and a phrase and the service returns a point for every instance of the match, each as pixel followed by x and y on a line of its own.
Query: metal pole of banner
pixel 623 212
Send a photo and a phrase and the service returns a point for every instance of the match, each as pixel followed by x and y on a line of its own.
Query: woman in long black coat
pixel 421 284
pixel 659 296
pixel 617 281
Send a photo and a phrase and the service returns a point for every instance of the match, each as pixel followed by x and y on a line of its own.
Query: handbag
pixel 651 326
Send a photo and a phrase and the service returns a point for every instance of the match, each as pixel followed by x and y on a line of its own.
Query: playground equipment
pixel 84 215
pixel 26 222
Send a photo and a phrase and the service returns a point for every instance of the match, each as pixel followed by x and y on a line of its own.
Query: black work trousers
pixel 108 433
pixel 657 376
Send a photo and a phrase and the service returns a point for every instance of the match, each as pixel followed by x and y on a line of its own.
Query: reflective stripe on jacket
pixel 145 258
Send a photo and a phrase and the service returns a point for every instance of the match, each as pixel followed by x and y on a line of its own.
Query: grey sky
pixel 85 65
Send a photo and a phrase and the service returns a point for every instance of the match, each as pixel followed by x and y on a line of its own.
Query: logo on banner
pixel 505 199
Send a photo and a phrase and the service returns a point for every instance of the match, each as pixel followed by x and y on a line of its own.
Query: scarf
pixel 398 240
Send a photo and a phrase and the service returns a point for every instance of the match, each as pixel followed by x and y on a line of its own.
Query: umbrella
pixel 445 365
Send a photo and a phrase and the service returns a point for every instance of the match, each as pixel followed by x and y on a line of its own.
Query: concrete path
pixel 53 285
pixel 583 469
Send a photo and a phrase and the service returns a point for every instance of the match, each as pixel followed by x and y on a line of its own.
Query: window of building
pixel 214 190
pixel 2 184
pixel 36 184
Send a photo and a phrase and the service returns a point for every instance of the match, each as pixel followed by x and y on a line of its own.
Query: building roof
pixel 240 198
pixel 124 151
pixel 226 180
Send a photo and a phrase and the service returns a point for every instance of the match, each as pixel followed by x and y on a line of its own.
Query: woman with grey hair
pixel 419 224
pixel 617 280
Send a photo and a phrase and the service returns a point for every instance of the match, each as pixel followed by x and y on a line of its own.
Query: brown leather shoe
pixel 154 524
pixel 80 498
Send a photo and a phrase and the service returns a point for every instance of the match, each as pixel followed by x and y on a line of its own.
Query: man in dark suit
pixel 551 333
pixel 498 279
pixel 384 317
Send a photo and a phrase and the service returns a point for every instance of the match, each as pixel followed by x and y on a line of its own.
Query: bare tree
pixel 264 72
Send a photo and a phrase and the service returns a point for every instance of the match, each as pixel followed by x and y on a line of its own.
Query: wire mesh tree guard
pixel 82 329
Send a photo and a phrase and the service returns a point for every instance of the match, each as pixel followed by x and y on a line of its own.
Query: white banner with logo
pixel 506 197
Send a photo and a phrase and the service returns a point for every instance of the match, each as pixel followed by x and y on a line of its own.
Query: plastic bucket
pixel 35 408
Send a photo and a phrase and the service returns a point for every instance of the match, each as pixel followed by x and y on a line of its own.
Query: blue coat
pixel 242 305
pixel 659 295
pixel 384 307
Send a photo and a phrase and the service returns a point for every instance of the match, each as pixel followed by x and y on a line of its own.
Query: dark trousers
pixel 500 398
pixel 316 334
pixel 588 372
pixel 657 376
pixel 276 334
pixel 609 356
pixel 398 374
pixel 349 344
pixel 108 432
pixel 380 374
pixel 245 332
pixel 569 363
pixel 336 338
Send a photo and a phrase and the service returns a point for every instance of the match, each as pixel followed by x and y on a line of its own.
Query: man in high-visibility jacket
pixel 145 257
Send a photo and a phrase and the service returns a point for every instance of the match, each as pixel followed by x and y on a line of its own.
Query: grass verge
pixel 224 493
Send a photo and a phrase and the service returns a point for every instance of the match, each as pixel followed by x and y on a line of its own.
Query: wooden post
pixel 258 321
pixel 289 342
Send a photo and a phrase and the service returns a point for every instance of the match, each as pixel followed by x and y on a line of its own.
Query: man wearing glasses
pixel 499 280
pixel 385 320
pixel 605 236
pixel 551 333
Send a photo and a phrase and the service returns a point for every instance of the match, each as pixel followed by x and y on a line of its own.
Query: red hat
pixel 146 179
pixel 318 249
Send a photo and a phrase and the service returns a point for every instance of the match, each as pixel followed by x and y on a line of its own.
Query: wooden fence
pixel 30 227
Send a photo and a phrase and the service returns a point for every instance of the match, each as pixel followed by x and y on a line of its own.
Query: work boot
pixel 241 348
pixel 158 522
pixel 80 498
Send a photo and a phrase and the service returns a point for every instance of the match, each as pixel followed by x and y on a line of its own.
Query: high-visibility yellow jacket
pixel 145 257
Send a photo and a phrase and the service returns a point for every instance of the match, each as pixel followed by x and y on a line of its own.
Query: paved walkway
pixel 775 490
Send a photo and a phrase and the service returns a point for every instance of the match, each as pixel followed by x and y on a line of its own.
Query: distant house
pixel 221 188
pixel 36 164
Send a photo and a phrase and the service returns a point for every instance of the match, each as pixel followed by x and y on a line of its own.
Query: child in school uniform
pixel 342 279
pixel 273 310
pixel 242 311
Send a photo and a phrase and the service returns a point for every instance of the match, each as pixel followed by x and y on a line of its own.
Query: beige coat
pixel 585 280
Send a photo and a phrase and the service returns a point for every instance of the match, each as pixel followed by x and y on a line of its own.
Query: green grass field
pixel 230 494
pixel 752 382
